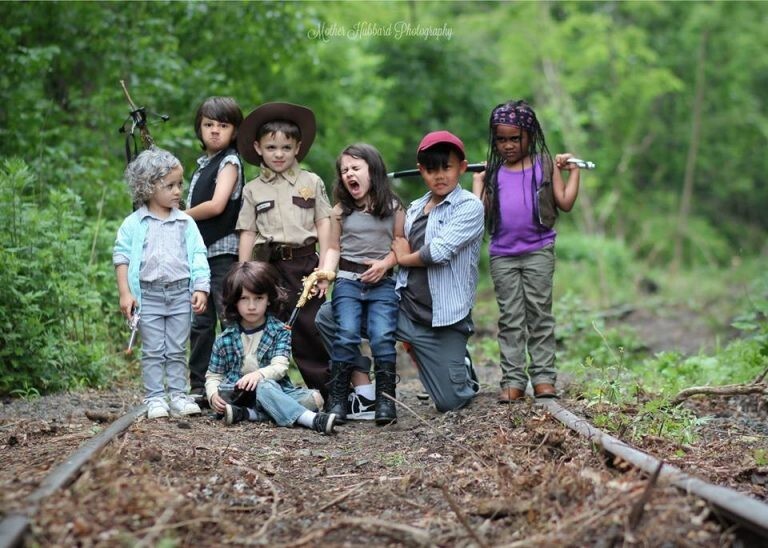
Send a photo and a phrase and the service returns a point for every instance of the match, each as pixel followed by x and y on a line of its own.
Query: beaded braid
pixel 537 148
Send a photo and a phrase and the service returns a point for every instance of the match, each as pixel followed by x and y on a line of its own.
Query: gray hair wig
pixel 147 169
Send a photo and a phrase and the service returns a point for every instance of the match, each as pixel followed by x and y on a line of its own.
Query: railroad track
pixel 748 516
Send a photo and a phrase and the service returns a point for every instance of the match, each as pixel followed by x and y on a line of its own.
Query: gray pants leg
pixel 440 353
pixel 166 316
pixel 523 287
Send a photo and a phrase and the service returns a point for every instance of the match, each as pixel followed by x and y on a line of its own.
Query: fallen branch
pixel 415 414
pixel 726 390
pixel 398 531
pixel 462 518
pixel 343 496
pixel 637 510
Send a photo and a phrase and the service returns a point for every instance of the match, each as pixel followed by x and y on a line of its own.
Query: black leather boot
pixel 386 378
pixel 338 390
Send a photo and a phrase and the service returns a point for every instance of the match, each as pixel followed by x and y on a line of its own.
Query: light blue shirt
pixel 130 249
pixel 451 252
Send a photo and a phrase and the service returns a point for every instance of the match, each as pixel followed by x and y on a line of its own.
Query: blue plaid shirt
pixel 228 353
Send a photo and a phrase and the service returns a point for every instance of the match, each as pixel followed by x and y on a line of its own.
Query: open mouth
pixel 353 186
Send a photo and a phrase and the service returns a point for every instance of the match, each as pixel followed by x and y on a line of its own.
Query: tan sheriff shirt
pixel 283 208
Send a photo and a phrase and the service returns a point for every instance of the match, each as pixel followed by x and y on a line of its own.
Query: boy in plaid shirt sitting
pixel 247 377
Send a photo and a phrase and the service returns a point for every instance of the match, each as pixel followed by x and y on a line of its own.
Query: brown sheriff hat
pixel 269 112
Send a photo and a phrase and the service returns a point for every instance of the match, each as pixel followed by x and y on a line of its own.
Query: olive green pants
pixel 523 287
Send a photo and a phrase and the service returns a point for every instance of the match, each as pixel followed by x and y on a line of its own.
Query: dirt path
pixel 487 475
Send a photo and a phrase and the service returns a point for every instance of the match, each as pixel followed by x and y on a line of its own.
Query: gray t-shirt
pixel 365 237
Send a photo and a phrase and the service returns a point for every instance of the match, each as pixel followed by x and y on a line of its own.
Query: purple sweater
pixel 517 232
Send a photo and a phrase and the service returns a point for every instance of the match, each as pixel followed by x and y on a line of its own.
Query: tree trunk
pixel 693 150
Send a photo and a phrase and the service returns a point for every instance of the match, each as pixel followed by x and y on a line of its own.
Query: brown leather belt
pixel 357 268
pixel 287 252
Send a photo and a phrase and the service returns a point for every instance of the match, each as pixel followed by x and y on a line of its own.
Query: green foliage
pixel 598 268
pixel 53 334
pixel 611 82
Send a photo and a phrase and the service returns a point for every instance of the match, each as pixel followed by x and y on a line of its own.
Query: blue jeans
pixel 359 307
pixel 283 404
pixel 166 315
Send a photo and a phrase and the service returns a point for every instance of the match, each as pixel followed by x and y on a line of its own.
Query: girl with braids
pixel 522 192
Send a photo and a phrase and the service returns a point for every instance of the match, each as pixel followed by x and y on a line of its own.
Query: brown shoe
pixel 545 390
pixel 511 395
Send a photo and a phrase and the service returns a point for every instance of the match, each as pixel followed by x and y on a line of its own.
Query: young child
pixel 160 260
pixel 366 218
pixel 249 362
pixel 438 258
pixel 285 213
pixel 522 192
pixel 215 197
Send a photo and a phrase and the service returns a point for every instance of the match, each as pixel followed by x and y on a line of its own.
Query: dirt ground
pixel 488 475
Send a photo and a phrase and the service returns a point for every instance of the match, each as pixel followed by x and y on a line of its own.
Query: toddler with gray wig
pixel 162 275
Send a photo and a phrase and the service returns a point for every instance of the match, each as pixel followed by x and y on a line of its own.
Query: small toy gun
pixel 309 283
pixel 133 323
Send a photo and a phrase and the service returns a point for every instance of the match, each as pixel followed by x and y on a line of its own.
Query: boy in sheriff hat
pixel 285 215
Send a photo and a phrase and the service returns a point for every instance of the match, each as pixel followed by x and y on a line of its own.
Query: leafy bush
pixel 52 330
pixel 599 269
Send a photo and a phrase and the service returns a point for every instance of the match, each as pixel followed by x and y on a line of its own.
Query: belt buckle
pixel 286 253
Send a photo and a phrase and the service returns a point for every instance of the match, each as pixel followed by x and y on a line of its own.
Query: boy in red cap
pixel 285 213
pixel 438 274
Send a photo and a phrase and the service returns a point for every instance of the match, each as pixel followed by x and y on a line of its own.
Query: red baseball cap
pixel 436 137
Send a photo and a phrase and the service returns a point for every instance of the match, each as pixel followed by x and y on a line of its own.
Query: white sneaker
pixel 157 408
pixel 360 408
pixel 182 406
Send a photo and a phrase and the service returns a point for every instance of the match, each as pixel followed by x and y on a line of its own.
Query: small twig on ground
pixel 160 524
pixel 760 377
pixel 398 531
pixel 420 419
pixel 343 496
pixel 546 437
pixel 462 518
pixel 726 390
pixel 273 511
pixel 639 507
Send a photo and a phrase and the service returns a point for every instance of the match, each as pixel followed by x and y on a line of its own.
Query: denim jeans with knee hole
pixel 166 316
pixel 364 308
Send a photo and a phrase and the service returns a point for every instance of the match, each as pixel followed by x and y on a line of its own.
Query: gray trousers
pixel 439 352
pixel 166 316
pixel 523 287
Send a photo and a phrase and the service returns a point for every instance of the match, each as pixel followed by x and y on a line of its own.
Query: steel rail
pixel 15 524
pixel 735 506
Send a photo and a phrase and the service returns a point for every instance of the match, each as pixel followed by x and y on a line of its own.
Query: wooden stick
pixel 343 496
pixel 399 531
pixel 462 518
pixel 725 390
pixel 465 448
pixel 639 507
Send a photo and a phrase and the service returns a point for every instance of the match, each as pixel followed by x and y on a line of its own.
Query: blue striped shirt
pixel 451 252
